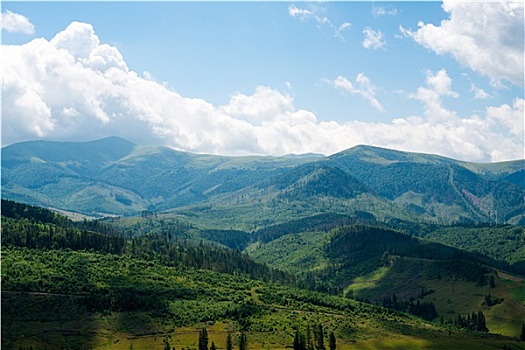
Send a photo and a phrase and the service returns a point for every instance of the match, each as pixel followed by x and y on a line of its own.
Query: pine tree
pixel 319 337
pixel 522 335
pixel 229 344
pixel 298 341
pixel 213 347
pixel 243 342
pixel 492 283
pixel 203 339
pixel 332 342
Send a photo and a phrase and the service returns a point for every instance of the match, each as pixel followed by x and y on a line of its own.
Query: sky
pixel 268 78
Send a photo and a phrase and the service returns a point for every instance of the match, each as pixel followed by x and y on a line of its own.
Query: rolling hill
pixel 104 285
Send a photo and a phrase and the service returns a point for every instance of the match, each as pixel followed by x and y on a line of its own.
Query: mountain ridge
pixel 115 176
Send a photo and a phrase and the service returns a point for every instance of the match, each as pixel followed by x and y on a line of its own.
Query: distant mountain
pixel 115 176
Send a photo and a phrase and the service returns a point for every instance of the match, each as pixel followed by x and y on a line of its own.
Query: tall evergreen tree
pixel 203 339
pixel 319 337
pixel 332 344
pixel 298 341
pixel 243 342
pixel 229 343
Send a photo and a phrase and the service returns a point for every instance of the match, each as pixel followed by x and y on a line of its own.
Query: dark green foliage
pixel 229 342
pixel 319 337
pixel 16 210
pixel 24 233
pixel 243 341
pixel 426 310
pixel 299 342
pixel 203 339
pixel 522 334
pixel 503 245
pixel 473 322
pixel 491 301
pixel 233 239
pixel 180 253
pixel 163 247
pixel 33 227
pixel 311 180
pixel 332 343
pixel 213 347
pixel 357 250
pixel 320 222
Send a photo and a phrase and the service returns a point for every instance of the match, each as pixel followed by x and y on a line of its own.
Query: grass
pixel 454 296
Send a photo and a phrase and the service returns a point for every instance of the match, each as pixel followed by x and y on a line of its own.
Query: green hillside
pixel 115 177
pixel 377 264
pixel 89 285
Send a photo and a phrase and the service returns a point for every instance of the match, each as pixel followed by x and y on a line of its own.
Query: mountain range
pixel 113 176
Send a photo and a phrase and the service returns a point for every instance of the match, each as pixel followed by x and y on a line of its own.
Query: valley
pixel 146 246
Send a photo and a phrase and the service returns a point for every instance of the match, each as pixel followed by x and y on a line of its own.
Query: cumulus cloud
pixel 366 89
pixel 73 87
pixel 438 84
pixel 16 23
pixel 373 39
pixel 314 13
pixel 487 37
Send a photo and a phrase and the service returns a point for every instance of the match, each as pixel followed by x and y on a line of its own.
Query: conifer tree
pixel 522 335
pixel 492 283
pixel 213 347
pixel 229 343
pixel 203 339
pixel 332 344
pixel 243 342
pixel 319 337
pixel 298 341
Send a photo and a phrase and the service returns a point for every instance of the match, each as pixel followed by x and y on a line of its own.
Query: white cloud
pixel 487 37
pixel 373 39
pixel 511 117
pixel 479 93
pixel 16 23
pixel 438 85
pixel 303 14
pixel 378 11
pixel 60 90
pixel 313 13
pixel 366 89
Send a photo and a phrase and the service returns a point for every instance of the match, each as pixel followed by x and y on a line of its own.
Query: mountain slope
pixel 437 186
pixel 378 264
pixel 63 288
pixel 114 176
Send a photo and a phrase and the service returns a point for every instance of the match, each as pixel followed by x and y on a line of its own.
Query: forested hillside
pixel 93 285
pixel 115 177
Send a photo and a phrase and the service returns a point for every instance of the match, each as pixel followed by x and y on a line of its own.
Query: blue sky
pixel 268 77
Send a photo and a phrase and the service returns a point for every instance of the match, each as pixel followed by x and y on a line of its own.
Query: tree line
pixel 39 228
